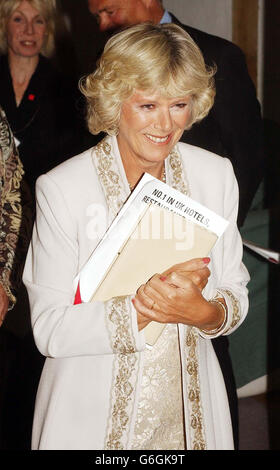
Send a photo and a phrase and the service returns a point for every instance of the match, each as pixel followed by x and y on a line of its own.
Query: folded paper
pixel 157 228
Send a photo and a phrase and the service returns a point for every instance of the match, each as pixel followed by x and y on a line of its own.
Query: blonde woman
pixel 101 388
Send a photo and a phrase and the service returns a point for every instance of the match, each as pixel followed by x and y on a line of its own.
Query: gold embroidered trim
pixel 198 441
pixel 108 177
pixel 236 315
pixel 179 181
pixel 122 340
pixel 124 376
pixel 11 172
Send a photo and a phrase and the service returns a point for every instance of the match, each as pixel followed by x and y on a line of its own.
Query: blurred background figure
pixel 11 172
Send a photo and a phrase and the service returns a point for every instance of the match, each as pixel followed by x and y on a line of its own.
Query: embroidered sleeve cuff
pixel 122 324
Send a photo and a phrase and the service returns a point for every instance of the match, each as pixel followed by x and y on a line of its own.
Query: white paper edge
pixel 266 253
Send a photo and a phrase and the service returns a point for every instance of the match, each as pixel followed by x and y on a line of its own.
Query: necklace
pixel 163 178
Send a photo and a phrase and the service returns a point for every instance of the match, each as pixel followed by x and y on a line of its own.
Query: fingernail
pixel 133 300
pixel 163 278
pixel 206 260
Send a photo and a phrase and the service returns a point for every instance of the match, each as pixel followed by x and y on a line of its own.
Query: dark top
pixel 234 126
pixel 46 121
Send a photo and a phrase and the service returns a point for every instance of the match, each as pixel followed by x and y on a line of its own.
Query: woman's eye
pixel 147 106
pixel 17 19
pixel 181 105
pixel 40 21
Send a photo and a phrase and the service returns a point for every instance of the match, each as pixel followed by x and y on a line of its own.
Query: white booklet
pixel 270 255
pixel 156 228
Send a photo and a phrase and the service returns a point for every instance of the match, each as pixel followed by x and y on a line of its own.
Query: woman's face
pixel 26 30
pixel 150 126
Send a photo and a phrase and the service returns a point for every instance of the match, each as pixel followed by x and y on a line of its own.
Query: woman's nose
pixel 29 27
pixel 164 121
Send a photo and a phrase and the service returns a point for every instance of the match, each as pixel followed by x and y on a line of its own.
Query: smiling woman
pixel 123 100
pixel 172 62
pixel 26 31
pixel 25 20
pixel 149 127
pixel 35 97
pixel 101 388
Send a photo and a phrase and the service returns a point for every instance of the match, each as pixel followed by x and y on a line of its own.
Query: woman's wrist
pixel 221 317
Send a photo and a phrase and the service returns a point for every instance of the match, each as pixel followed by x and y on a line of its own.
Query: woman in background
pixel 38 102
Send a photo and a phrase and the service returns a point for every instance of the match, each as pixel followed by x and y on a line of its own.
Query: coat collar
pixel 109 167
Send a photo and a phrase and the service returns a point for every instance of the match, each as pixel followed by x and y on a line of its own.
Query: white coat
pixel 90 384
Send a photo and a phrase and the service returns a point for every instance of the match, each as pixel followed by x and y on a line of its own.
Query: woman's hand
pixel 175 297
pixel 195 270
pixel 141 319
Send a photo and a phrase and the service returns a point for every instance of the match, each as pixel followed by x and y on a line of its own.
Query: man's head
pixel 117 14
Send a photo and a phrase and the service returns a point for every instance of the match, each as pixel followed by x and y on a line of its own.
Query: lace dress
pixel 160 420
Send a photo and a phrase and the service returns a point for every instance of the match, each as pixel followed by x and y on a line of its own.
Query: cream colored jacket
pixel 89 389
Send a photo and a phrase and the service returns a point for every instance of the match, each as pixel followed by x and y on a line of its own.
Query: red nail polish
pixel 162 278
pixel 206 260
pixel 133 300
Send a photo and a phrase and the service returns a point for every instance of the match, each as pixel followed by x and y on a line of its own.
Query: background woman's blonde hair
pixel 147 57
pixel 47 8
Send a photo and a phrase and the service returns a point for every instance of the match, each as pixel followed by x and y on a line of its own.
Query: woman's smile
pixel 159 140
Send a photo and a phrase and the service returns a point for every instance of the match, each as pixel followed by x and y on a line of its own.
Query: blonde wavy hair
pixel 46 8
pixel 147 57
